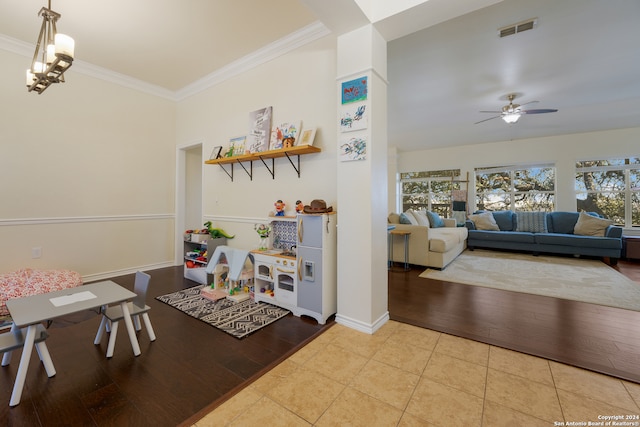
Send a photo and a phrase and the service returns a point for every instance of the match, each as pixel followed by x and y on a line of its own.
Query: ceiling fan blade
pixel 494 112
pixel 527 103
pixel 490 118
pixel 540 111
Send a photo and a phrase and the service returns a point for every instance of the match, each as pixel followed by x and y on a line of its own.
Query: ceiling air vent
pixel 510 30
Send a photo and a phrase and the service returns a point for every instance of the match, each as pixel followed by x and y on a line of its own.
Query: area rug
pixel 576 279
pixel 235 318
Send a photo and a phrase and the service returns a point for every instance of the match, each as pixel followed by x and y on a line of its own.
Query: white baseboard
pixel 367 328
pixel 115 273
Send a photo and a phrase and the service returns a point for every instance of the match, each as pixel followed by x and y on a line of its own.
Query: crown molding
pixel 308 34
pixel 26 49
pixel 273 50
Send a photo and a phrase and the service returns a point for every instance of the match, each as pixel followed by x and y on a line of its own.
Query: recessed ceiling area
pixel 582 58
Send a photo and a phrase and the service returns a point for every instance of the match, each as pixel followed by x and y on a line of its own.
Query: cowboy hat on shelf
pixel 317 206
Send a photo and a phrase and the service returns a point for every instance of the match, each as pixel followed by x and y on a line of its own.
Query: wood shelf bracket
pixel 226 171
pixel 249 172
pixel 271 170
pixel 294 166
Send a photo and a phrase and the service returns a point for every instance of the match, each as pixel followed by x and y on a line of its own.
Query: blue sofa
pixel 558 237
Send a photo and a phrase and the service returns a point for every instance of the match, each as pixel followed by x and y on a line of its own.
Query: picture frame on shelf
pixel 259 130
pixel 306 137
pixel 236 146
pixel 284 134
pixel 215 153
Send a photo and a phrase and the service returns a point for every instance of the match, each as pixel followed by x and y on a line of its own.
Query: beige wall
pixel 86 174
pixel 562 150
pixel 299 86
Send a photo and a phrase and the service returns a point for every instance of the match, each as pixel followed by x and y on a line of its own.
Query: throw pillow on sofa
pixel 435 220
pixel 533 222
pixel 484 221
pixel 421 217
pixel 588 225
pixel 406 218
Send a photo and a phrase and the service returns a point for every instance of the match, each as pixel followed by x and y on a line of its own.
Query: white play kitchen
pixel 300 274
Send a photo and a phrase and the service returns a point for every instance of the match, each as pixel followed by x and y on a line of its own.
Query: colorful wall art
pixel 284 134
pixel 354 90
pixel 353 149
pixel 354 117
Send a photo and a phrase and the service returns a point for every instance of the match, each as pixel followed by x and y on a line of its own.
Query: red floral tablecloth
pixel 25 282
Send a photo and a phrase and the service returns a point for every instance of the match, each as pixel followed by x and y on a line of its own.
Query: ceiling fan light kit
pixel 53 55
pixel 511 113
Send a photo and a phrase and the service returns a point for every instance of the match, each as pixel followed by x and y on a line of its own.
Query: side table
pixel 631 247
pixel 406 235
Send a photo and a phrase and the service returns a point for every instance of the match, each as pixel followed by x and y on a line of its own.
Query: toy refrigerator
pixel 316 257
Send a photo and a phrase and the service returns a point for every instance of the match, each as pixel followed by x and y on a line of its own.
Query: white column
pixel 362 187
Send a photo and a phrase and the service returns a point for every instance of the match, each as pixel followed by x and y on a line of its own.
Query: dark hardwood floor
pixel 189 368
pixel 192 367
pixel 602 339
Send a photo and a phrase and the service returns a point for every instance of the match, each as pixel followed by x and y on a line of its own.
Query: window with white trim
pixel 517 188
pixel 611 188
pixel 429 190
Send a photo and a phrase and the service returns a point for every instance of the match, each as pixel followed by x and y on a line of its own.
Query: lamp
pixel 511 117
pixel 53 56
pixel 511 113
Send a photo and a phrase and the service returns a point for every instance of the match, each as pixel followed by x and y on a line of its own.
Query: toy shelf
pixel 262 156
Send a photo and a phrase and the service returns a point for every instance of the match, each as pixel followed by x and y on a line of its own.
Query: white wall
pixel 563 150
pixel 86 173
pixel 299 86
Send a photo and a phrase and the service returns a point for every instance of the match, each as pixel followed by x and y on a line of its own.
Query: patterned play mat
pixel 235 318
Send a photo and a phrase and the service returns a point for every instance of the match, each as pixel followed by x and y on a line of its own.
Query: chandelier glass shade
pixel 53 55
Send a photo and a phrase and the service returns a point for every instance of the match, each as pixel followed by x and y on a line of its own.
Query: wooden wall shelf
pixel 262 156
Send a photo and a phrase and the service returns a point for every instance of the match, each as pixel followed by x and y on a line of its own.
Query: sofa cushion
pixel 408 218
pixel 505 220
pixel 484 221
pixel 443 239
pixel 562 222
pixel 588 225
pixel 435 220
pixel 501 236
pixel 577 241
pixel 421 218
pixel 393 218
pixel 534 222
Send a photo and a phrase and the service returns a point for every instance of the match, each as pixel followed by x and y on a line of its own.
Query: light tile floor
pixel 408 376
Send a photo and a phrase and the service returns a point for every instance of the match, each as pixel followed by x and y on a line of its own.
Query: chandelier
pixel 53 55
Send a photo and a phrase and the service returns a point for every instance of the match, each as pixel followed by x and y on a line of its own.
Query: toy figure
pixel 299 206
pixel 263 231
pixel 279 207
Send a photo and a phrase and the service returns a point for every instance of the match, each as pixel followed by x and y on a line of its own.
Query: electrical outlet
pixel 36 252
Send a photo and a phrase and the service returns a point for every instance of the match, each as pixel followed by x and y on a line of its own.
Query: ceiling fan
pixel 512 112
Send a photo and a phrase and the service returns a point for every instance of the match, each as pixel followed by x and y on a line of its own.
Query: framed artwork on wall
pixel 354 90
pixel 354 148
pixel 354 117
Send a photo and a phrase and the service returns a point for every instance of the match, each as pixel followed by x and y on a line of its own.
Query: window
pixel 521 188
pixel 611 188
pixel 429 191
